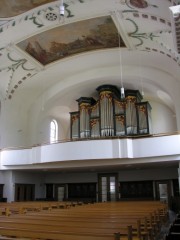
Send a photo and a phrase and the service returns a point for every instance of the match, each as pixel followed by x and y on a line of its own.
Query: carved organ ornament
pixel 110 115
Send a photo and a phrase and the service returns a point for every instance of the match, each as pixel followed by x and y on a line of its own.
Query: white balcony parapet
pixel 166 146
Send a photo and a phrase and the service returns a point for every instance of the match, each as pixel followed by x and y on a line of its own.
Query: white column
pixel 9 187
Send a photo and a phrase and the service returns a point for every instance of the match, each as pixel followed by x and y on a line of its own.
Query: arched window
pixel 53 131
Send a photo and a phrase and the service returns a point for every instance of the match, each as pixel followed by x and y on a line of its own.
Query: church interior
pixel 89 101
pixel 89 119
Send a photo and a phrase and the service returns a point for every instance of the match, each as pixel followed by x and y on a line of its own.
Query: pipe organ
pixel 110 115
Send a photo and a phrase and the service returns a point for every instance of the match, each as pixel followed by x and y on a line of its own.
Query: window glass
pixel 53 131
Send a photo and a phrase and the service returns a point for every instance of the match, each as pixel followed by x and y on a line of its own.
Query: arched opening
pixel 53 131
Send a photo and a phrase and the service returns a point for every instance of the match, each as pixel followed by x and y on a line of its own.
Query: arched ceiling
pixel 43 53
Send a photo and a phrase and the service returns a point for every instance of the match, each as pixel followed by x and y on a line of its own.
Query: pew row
pixel 24 207
pixel 138 229
pixel 31 233
pixel 93 221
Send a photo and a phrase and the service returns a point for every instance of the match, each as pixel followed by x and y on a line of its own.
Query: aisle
pixel 165 227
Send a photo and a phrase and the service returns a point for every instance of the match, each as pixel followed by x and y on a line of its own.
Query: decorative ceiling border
pixel 139 35
pixel 148 16
pixel 27 76
pixel 13 66
pixel 34 15
pixel 171 55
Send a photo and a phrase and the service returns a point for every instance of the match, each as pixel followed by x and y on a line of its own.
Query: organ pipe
pixel 110 115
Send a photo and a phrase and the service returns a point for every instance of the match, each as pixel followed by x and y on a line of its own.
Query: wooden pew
pixel 5 211
pixel 23 207
pixel 31 233
pixel 83 223
pixel 116 213
pixel 152 219
pixel 149 225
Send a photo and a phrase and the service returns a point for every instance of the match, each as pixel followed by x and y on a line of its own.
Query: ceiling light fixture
pixel 140 74
pixel 120 61
pixel 61 9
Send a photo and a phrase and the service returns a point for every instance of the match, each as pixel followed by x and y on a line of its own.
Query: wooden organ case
pixel 110 115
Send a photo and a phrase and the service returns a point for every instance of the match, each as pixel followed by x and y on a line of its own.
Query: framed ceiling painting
pixel 70 39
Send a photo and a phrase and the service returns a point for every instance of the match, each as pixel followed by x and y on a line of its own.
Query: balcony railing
pixel 156 148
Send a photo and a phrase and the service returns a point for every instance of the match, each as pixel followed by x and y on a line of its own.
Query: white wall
pixel 13 124
pixel 163 119
pixel 43 133
pixel 35 130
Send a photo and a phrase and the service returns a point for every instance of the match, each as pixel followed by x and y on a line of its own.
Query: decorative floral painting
pixel 71 39
pixel 9 8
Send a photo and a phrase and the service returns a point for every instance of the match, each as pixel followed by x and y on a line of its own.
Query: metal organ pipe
pixel 106 107
pixel 110 115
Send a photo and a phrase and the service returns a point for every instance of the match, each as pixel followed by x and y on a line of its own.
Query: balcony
pixel 125 151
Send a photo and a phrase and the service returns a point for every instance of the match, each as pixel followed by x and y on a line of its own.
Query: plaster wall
pixel 13 124
pixel 163 119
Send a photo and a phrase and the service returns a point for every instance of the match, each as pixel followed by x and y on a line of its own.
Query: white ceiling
pixel 149 63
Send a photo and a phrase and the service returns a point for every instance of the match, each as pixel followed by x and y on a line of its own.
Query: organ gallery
pixel 111 115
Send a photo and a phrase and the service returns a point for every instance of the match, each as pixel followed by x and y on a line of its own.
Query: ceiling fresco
pixel 9 8
pixel 34 35
pixel 139 3
pixel 75 38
